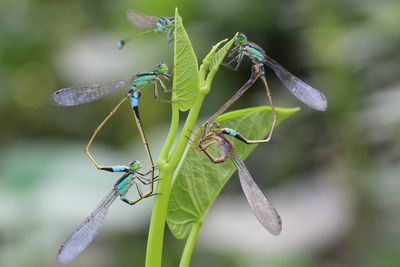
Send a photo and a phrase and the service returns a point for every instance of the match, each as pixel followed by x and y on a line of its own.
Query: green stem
pixel 186 130
pixel 190 243
pixel 167 167
pixel 171 136
pixel 157 222
pixel 156 231
pixel 168 162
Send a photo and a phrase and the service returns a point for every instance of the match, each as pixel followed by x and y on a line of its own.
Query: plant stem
pixel 167 167
pixel 190 243
pixel 156 230
pixel 164 154
pixel 186 130
pixel 167 164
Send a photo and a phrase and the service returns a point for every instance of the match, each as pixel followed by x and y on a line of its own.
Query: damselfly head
pixel 240 39
pixel 121 44
pixel 135 165
pixel 161 68
pixel 215 127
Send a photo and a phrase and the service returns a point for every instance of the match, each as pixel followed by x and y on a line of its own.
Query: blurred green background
pixel 333 176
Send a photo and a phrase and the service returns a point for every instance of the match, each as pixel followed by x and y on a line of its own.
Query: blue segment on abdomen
pixel 134 102
pixel 231 132
pixel 120 44
pixel 118 169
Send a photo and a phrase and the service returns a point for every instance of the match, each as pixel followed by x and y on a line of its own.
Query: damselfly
pixel 259 203
pixel 78 95
pixel 84 234
pixel 134 98
pixel 155 24
pixel 73 96
pixel 301 90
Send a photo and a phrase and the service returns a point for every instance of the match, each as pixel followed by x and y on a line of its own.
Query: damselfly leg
pixel 97 130
pixel 255 74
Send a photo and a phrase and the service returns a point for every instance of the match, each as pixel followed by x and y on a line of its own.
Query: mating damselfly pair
pixel 212 134
pixel 79 239
pixel 132 176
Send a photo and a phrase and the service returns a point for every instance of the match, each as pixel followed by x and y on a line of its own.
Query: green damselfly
pixel 301 90
pixel 73 96
pixel 78 95
pixel 79 239
pixel 84 234
pixel 155 24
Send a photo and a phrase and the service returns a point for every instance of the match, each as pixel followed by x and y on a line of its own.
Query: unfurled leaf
pixel 186 78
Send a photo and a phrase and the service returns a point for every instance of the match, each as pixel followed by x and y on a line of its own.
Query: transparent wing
pixel 141 20
pixel 304 92
pixel 73 96
pixel 79 239
pixel 261 206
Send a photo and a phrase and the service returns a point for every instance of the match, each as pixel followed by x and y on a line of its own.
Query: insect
pixel 78 95
pixel 155 24
pixel 134 98
pixel 84 234
pixel 301 90
pixel 73 96
pixel 259 203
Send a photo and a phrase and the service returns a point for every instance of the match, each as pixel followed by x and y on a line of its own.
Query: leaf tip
pixel 292 110
pixel 287 112
pixel 215 47
pixel 177 17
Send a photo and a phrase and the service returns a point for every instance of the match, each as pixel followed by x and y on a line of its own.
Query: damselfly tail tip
pixel 120 44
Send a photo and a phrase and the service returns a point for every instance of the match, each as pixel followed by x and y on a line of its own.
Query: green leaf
pixel 211 64
pixel 220 55
pixel 207 60
pixel 186 78
pixel 199 181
